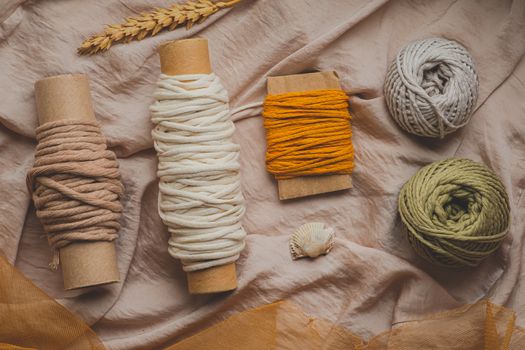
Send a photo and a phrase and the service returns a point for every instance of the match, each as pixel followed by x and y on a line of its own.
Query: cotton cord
pixel 431 87
pixel 76 185
pixel 200 198
pixel 456 212
pixel 308 133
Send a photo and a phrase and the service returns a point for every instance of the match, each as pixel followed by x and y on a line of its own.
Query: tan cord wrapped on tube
pixel 74 173
pixel 186 74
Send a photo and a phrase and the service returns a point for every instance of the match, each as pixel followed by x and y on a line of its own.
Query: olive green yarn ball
pixel 456 212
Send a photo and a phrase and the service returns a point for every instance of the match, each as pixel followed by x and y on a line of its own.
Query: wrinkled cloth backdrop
pixel 371 279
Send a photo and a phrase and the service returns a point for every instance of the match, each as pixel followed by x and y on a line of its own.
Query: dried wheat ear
pixel 149 24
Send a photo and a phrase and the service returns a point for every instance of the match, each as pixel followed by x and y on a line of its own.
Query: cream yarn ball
pixel 431 87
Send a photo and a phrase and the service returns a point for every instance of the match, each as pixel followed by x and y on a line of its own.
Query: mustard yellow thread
pixel 308 133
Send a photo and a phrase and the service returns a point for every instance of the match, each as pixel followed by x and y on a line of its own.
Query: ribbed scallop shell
pixel 311 240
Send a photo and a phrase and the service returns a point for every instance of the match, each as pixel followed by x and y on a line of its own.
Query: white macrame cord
pixel 200 198
pixel 431 87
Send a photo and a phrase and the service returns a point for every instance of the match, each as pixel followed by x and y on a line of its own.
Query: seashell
pixel 311 240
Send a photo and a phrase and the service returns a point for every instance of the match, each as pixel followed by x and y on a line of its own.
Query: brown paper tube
pixel 84 264
pixel 190 56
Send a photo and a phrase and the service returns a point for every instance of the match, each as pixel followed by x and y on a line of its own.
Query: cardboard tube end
pixel 188 56
pixel 213 280
pixel 62 97
pixel 59 78
pixel 88 264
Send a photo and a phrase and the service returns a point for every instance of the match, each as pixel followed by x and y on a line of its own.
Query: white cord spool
pixel 200 198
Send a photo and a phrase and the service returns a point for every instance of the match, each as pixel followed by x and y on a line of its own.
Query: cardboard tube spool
pixel 84 264
pixel 190 56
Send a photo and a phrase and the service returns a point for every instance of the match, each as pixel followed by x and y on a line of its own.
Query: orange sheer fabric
pixel 29 319
pixel 283 326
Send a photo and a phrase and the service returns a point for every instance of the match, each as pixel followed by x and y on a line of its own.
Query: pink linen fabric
pixel 372 279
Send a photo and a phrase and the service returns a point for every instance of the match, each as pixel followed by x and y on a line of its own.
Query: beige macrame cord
pixel 76 185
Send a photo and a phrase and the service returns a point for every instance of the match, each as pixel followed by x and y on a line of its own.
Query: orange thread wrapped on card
pixel 308 133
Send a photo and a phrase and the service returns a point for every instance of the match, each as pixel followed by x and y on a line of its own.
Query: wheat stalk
pixel 137 28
